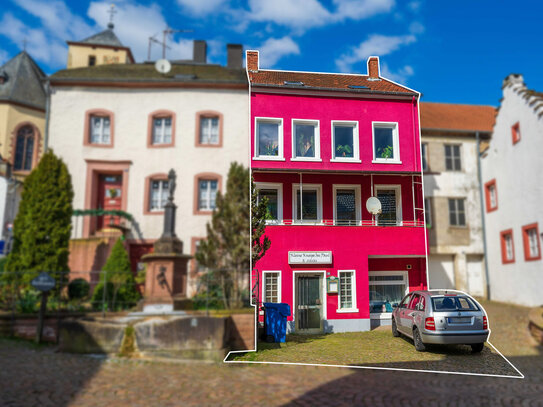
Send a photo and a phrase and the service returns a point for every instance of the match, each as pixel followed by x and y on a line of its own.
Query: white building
pixel 451 137
pixel 120 128
pixel 512 170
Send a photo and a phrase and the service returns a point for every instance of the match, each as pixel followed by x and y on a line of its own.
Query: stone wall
pixel 241 331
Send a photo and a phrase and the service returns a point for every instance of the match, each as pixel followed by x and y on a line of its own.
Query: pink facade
pixel 339 267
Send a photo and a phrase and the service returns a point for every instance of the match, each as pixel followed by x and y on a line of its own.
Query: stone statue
pixel 171 184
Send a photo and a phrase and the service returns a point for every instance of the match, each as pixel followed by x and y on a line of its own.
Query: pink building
pixel 321 145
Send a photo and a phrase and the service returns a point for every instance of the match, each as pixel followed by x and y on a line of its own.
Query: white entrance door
pixel 441 271
pixel 475 276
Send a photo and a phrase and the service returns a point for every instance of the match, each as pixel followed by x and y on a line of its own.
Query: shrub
pixel 78 289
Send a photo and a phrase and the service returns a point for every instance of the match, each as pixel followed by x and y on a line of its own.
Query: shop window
pixel 345 141
pixel 532 248
pixel 452 158
pixel 306 140
pixel 491 195
pixel 269 139
pixel 457 212
pixel 347 205
pixel 386 146
pixel 347 292
pixel 515 132
pixel 307 206
pixel 274 195
pixel 271 290
pixel 387 288
pixel 507 246
pixel 24 149
pixel 390 198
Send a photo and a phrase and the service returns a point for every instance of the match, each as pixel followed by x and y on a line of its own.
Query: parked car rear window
pixel 454 303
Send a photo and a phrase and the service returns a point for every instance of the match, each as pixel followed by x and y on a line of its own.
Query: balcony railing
pixel 336 222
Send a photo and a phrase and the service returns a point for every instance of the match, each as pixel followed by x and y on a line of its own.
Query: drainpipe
pixel 301 199
pixel 47 111
pixel 481 197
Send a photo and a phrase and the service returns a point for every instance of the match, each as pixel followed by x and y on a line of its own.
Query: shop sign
pixel 310 257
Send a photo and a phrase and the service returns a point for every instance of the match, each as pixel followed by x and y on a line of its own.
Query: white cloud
pixel 273 49
pixel 361 9
pixel 414 6
pixel 202 7
pixel 416 28
pixel 401 76
pixel 376 44
pixel 38 44
pixel 57 19
pixel 298 14
pixel 135 23
pixel 303 14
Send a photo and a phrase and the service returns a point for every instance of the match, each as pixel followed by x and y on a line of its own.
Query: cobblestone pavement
pixel 41 377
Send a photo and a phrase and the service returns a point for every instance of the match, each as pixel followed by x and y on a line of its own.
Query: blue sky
pixel 452 51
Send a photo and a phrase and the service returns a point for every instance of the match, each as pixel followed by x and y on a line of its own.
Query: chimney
pixel 234 57
pixel 373 68
pixel 252 60
pixel 513 79
pixel 199 52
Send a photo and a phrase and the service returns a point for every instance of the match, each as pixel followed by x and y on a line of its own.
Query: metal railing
pixel 353 222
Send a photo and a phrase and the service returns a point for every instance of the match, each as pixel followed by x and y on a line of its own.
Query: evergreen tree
pixel 42 227
pixel 120 282
pixel 226 251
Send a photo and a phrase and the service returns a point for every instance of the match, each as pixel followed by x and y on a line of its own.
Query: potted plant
pixel 385 152
pixel 344 150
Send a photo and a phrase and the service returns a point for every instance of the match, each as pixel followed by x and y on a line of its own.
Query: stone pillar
pixel 460 272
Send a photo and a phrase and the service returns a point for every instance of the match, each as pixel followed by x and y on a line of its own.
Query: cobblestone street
pixel 41 377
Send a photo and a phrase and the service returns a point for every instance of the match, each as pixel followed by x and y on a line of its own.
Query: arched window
pixel 24 149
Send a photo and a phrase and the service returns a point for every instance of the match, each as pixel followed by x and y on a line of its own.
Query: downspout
pixel 301 200
pixel 47 113
pixel 485 253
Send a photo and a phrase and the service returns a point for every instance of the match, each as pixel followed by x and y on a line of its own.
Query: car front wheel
pixel 395 332
pixel 477 347
pixel 417 340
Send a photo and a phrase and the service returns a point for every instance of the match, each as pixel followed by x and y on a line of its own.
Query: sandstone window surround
pixel 156 194
pixel 532 246
pixel 491 196
pixel 515 132
pixel 206 186
pixel 25 147
pixel 161 129
pixel 209 129
pixel 99 128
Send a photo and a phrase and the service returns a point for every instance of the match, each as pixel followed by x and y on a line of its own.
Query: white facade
pixel 131 108
pixel 456 252
pixel 517 169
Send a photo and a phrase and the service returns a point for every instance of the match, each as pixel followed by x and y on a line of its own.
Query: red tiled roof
pixel 323 81
pixel 447 116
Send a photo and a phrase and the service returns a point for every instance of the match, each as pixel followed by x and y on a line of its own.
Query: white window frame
pixel 508 238
pixel 533 242
pixel 398 189
pixel 279 280
pixel 453 169
pixel 280 139
pixel 428 211
pixel 279 188
pixel 354 307
pixel 317 148
pixel 404 273
pixel 160 191
pixel 493 196
pixel 158 140
pixel 356 142
pixel 424 153
pixel 102 127
pixel 395 143
pixel 209 128
pixel 209 180
pixel 465 225
pixel 295 211
pixel 357 197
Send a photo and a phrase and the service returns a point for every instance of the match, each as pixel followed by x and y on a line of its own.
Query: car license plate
pixel 459 320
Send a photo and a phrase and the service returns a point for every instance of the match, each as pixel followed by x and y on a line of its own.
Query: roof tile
pixel 445 116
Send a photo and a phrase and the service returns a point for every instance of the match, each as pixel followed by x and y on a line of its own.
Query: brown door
pixel 110 189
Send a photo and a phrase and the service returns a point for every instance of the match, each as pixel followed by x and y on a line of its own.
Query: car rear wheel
pixel 395 332
pixel 477 347
pixel 417 340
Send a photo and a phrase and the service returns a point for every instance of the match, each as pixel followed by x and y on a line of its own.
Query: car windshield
pixel 455 303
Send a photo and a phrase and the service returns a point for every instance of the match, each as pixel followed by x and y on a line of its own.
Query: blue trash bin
pixel 275 320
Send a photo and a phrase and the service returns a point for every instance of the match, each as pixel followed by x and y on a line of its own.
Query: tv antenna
pixel 167 31
pixel 111 13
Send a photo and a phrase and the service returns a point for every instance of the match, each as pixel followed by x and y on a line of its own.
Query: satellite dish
pixel 373 205
pixel 163 66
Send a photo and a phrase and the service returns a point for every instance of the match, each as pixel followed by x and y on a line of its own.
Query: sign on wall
pixel 310 257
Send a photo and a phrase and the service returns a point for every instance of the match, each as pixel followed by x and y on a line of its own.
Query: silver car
pixel 441 317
